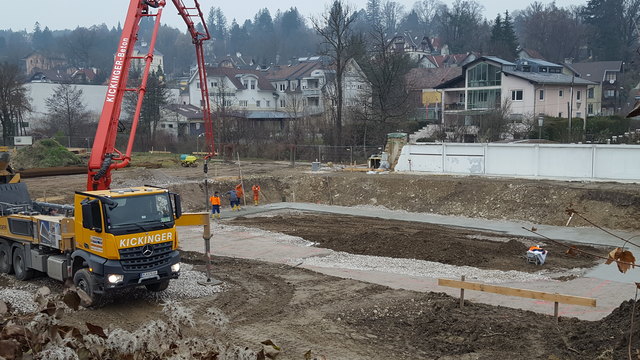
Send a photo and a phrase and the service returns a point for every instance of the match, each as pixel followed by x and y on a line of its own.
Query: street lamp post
pixel 540 123
pixel 198 142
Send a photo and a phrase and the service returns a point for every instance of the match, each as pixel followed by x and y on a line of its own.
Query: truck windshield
pixel 145 212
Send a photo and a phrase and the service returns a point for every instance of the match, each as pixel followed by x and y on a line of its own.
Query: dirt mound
pixel 44 153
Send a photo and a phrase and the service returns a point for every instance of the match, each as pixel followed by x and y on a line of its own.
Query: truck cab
pixel 126 237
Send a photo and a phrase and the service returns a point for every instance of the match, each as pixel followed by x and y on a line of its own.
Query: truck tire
pixel 161 286
pixel 20 265
pixel 5 258
pixel 84 280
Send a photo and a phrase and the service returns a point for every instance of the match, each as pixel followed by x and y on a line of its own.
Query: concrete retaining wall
pixel 552 161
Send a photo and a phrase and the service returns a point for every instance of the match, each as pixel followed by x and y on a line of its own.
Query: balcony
pixel 311 92
pixel 454 107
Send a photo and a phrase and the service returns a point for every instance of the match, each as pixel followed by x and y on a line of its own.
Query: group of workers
pixel 234 196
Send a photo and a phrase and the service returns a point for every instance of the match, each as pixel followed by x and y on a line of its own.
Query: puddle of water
pixel 611 272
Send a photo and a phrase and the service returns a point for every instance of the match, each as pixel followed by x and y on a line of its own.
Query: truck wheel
pixel 85 281
pixel 5 258
pixel 161 286
pixel 193 165
pixel 20 265
pixel 183 164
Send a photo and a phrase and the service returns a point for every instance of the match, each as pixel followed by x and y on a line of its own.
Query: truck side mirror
pixel 91 218
pixel 177 205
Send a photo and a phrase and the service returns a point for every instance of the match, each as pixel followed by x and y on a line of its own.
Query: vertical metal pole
pixel 244 198
pixel 462 294
pixel 555 311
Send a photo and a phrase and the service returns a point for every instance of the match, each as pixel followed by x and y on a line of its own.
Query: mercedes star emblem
pixel 147 250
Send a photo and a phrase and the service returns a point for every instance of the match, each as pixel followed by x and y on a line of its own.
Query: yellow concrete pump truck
pixel 109 239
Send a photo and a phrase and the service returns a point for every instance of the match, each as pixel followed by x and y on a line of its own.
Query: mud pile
pixel 44 153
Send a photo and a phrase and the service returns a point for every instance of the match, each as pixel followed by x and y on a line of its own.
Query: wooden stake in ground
pixel 264 196
pixel 244 198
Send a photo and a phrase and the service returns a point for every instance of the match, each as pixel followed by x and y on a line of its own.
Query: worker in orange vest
pixel 239 192
pixel 215 205
pixel 256 194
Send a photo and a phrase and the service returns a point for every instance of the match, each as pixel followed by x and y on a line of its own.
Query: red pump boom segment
pixel 104 155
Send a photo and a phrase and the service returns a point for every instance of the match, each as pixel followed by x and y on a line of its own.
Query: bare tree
pixel 391 15
pixel 14 101
pixel 557 33
pixel 335 30
pixel 66 111
pixel 426 10
pixel 387 101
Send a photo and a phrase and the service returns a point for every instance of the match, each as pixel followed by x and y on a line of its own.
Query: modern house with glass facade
pixel 523 89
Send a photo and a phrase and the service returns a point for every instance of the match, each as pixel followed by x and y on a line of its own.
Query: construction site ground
pixel 301 271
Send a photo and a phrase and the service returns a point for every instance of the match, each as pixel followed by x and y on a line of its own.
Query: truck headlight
pixel 175 267
pixel 115 278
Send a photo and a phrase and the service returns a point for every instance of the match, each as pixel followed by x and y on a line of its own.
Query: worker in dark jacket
pixel 234 202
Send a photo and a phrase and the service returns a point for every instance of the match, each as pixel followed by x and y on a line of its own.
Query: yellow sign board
pixel 431 97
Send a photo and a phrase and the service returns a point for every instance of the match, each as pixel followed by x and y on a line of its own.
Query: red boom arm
pixel 104 156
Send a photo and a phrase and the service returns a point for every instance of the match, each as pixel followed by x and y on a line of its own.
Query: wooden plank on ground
pixel 531 294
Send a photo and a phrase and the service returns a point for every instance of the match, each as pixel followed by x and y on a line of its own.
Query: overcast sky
pixel 68 14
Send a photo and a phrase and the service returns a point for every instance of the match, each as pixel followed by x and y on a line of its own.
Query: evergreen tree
pixel 503 42
pixel 606 19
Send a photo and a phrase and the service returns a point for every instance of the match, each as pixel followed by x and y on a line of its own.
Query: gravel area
pixel 419 268
pixel 186 286
pixel 19 300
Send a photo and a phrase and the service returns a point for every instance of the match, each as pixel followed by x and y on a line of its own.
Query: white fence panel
pixel 551 161
pixel 425 158
pixel 514 160
pixel 625 164
pixel 464 159
pixel 566 162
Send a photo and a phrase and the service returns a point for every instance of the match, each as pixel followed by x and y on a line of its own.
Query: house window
pixel 201 102
pixel 283 87
pixel 243 103
pixel 162 126
pixel 560 114
pixel 198 84
pixel 611 77
pixel 610 93
pixel 578 95
pixel 227 103
pixel 560 93
pixel 245 83
pixel 170 126
pixel 293 86
pixel 590 109
pixel 253 84
pixel 484 74
pixel 258 103
pixel 590 93
pixel 314 101
pixel 268 103
pixel 516 95
pixel 541 96
pixel 283 103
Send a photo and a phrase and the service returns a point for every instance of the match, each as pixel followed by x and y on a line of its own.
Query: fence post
pixel 462 294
